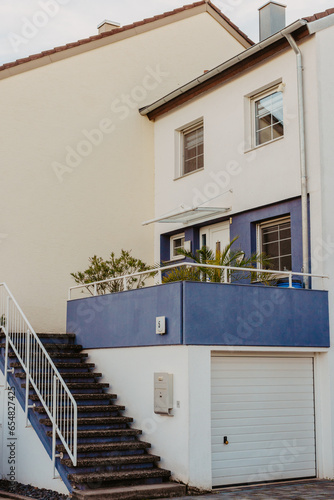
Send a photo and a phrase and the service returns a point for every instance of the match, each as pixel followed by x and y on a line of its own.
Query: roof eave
pixel 224 66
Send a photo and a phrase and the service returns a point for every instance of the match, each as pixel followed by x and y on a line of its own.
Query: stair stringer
pixel 38 428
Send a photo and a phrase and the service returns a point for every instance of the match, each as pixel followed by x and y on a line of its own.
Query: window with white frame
pixel 176 244
pixel 274 240
pixel 192 148
pixel 267 110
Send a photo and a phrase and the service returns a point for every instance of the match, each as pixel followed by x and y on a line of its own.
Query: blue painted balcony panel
pixel 203 314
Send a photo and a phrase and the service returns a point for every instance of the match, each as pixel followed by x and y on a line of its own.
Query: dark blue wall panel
pixel 203 314
pixel 250 315
pixel 244 226
pixel 127 319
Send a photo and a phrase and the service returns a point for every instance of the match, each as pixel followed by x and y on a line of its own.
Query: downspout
pixel 303 172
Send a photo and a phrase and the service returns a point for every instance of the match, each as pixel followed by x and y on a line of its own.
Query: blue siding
pixel 128 318
pixel 203 314
pixel 244 226
pixel 249 315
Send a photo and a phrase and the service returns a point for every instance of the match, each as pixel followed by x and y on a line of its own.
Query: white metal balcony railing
pixel 227 272
pixel 41 374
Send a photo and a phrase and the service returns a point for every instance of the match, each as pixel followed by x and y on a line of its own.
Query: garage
pixel 262 419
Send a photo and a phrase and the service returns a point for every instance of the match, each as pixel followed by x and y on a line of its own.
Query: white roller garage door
pixel 264 407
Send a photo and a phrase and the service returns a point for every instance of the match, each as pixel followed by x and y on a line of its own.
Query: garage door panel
pixel 259 372
pixel 257 423
pixel 270 475
pixel 255 403
pixel 263 454
pixel 267 460
pixel 265 407
pixel 225 381
pixel 266 412
pixel 260 435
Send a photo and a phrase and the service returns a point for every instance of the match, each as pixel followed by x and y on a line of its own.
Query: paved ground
pixel 310 490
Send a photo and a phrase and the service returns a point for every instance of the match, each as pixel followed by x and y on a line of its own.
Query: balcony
pixel 203 313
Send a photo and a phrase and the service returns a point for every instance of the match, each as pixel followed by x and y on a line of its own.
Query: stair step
pixel 16 364
pixel 80 397
pixel 105 433
pixel 58 355
pixel 118 476
pixel 89 409
pixel 66 347
pixel 94 421
pixel 56 347
pixel 74 355
pixel 113 446
pixel 68 375
pixel 56 335
pixel 108 461
pixel 78 385
pixel 164 490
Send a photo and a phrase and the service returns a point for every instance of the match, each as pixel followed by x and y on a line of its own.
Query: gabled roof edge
pixel 222 67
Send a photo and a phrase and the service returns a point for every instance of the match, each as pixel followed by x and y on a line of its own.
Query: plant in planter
pixel 115 267
pixel 226 257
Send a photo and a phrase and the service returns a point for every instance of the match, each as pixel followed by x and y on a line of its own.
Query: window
pixel 192 148
pixel 274 240
pixel 268 116
pixel 176 243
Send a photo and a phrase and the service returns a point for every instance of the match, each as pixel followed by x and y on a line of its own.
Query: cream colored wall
pixel 58 210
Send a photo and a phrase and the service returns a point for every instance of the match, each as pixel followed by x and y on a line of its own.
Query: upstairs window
pixel 274 240
pixel 192 148
pixel 268 117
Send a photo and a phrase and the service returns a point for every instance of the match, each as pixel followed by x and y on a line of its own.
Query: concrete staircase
pixel 113 463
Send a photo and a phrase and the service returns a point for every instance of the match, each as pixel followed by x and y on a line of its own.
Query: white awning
pixel 189 215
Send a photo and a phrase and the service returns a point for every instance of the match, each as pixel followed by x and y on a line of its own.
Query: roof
pixel 110 34
pixel 229 69
pixel 319 15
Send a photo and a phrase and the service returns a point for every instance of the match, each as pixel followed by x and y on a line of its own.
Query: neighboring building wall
pixel 60 206
pixel 323 243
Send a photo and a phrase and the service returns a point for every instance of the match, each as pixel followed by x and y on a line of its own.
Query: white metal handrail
pixel 41 374
pixel 225 270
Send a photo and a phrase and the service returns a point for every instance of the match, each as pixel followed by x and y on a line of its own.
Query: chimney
pixel 107 26
pixel 272 19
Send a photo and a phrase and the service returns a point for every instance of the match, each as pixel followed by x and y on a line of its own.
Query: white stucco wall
pixel 60 207
pixel 184 440
pixel 32 463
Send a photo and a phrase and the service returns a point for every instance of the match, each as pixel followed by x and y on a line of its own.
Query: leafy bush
pixel 100 270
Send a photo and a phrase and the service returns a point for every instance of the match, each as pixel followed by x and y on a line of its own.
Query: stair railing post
pixel 54 433
pixel 26 409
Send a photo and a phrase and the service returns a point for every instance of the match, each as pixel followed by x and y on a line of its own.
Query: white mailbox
pixel 163 393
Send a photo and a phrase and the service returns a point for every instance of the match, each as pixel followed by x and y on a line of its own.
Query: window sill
pixel 189 173
pixel 254 148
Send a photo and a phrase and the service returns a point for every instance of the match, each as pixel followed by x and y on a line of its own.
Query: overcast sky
pixel 30 26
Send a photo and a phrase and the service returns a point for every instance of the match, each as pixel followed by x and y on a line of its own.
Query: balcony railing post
pixel 290 280
pixel 159 277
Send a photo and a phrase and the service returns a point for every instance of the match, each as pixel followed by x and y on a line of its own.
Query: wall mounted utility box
pixel 163 393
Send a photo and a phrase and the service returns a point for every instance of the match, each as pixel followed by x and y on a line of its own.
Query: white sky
pixel 63 21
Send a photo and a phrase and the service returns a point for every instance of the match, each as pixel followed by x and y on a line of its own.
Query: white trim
pixel 268 223
pixel 171 247
pixel 179 146
pixel 253 98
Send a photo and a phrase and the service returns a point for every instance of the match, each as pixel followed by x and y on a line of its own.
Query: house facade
pixel 83 173
pixel 252 368
pixel 249 367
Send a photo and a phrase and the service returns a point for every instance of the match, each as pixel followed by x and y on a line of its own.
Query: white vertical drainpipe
pixel 305 218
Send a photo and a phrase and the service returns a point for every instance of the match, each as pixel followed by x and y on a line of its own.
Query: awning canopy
pixel 188 215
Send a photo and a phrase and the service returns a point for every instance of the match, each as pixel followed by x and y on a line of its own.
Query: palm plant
pixel 226 257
